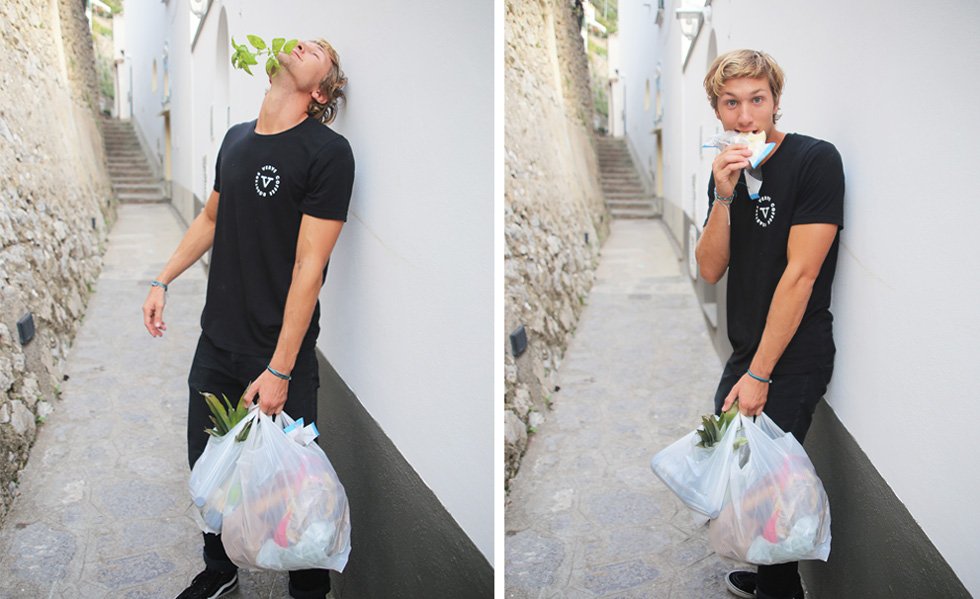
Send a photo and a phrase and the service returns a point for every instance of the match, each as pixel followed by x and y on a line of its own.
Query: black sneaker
pixel 741 583
pixel 210 584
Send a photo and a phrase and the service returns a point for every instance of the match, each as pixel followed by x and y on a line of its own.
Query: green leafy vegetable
pixel 243 57
pixel 224 417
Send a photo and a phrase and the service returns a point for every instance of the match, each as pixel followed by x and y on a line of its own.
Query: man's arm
pixel 713 250
pixel 316 241
pixel 197 240
pixel 806 250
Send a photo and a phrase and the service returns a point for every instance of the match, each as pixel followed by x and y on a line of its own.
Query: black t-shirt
pixel 802 183
pixel 267 183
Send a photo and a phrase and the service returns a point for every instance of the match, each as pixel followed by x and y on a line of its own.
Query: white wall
pixel 407 312
pixel 894 87
pixel 408 308
pixel 143 40
pixel 638 42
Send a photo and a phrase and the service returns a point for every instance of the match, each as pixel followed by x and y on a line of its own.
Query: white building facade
pixel 407 309
pixel 899 104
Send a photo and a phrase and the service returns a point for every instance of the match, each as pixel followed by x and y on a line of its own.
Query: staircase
pixel 133 181
pixel 625 193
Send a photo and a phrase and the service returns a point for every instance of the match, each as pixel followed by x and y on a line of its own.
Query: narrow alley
pixel 585 516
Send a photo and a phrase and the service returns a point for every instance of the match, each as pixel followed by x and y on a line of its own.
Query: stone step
pixel 134 179
pixel 625 195
pixel 638 203
pixel 608 164
pixel 128 155
pixel 139 162
pixel 137 188
pixel 130 172
pixel 635 213
pixel 142 198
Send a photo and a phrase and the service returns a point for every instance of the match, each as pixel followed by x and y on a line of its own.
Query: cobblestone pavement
pixel 585 516
pixel 103 502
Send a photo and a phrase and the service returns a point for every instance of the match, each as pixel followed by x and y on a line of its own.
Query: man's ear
pixel 318 96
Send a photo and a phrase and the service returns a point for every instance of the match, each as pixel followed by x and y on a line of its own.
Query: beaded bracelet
pixel 156 283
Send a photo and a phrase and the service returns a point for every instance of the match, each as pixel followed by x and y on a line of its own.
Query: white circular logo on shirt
pixel 267 181
pixel 765 211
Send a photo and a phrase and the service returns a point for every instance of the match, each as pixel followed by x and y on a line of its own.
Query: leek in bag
pixel 695 467
pixel 210 478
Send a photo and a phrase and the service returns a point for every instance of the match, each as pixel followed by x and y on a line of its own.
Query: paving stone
pixel 127 571
pixel 36 552
pixel 617 577
pixel 532 560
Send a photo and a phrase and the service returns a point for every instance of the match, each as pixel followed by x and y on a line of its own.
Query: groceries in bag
pixel 777 510
pixel 286 508
pixel 210 477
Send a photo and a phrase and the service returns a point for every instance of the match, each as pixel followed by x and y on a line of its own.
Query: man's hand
pixel 727 167
pixel 153 311
pixel 272 392
pixel 751 395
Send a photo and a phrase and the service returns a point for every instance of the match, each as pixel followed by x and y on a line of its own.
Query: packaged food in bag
pixel 777 510
pixel 291 511
pixel 210 479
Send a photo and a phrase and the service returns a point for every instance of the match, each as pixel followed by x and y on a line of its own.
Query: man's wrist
pixel 160 284
pixel 279 374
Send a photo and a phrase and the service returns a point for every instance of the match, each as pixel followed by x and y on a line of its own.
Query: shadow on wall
pixel 404 544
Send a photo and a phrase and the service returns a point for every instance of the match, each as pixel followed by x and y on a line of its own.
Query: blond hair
pixel 736 64
pixel 331 86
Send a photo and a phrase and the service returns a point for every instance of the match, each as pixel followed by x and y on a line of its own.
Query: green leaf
pixel 249 58
pixel 277 44
pixel 289 46
pixel 257 42
pixel 271 66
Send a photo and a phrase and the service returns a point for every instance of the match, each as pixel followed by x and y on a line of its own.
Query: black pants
pixel 791 401
pixel 220 372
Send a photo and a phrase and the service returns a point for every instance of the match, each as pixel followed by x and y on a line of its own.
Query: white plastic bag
pixel 211 475
pixel 292 513
pixel 697 475
pixel 777 510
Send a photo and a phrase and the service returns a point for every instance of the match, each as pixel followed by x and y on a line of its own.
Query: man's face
pixel 747 105
pixel 307 65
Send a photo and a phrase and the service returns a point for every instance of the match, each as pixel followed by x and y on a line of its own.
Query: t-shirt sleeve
pixel 217 171
pixel 331 182
pixel 711 199
pixel 821 191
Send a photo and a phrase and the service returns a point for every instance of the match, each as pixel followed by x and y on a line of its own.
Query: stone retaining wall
pixel 555 217
pixel 55 210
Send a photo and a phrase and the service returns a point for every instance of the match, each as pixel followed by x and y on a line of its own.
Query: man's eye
pixel 757 100
pixel 731 103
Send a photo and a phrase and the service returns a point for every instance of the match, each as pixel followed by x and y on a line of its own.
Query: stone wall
pixel 55 209
pixel 555 217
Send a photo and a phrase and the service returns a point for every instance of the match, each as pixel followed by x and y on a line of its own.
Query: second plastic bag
pixel 777 510
pixel 697 475
pixel 211 475
pixel 290 510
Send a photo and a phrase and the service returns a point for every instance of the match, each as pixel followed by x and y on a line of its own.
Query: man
pixel 284 183
pixel 780 251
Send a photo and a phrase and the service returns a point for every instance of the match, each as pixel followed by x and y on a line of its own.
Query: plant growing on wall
pixel 243 57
